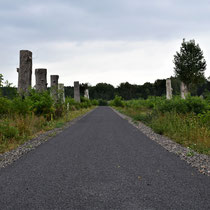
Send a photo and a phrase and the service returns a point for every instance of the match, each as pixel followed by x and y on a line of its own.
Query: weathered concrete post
pixel 168 89
pixel 86 94
pixel 76 92
pixel 54 87
pixel 24 72
pixel 183 89
pixel 61 92
pixel 41 79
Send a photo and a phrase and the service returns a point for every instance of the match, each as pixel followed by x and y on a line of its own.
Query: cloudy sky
pixel 94 41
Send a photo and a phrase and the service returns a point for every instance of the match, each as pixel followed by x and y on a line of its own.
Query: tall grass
pixel 21 119
pixel 185 121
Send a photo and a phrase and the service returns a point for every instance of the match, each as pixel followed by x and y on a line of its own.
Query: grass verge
pixel 16 130
pixel 186 129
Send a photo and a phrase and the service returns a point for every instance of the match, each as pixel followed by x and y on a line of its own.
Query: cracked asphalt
pixel 102 162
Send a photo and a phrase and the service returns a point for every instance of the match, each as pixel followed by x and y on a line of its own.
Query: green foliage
pixel 102 102
pixel 185 121
pixel 5 106
pixel 40 103
pixel 1 80
pixel 94 102
pixel 7 131
pixel 118 102
pixel 190 63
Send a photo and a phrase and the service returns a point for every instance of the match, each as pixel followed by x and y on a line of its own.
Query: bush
pixel 118 102
pixel 102 102
pixel 5 106
pixel 7 131
pixel 41 103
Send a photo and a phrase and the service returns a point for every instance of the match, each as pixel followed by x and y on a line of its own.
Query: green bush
pixel 41 103
pixel 7 131
pixel 5 106
pixel 20 106
pixel 94 102
pixel 118 102
pixel 102 102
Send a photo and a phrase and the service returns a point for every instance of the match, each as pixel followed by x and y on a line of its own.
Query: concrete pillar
pixel 76 92
pixel 168 89
pixel 61 92
pixel 54 87
pixel 86 94
pixel 24 72
pixel 41 79
pixel 184 91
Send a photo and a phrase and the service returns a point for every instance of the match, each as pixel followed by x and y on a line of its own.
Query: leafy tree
pixel 190 64
pixel 1 80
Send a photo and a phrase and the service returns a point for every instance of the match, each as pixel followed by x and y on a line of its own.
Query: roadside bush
pixel 94 102
pixel 102 102
pixel 118 102
pixel 41 103
pixel 7 131
pixel 5 106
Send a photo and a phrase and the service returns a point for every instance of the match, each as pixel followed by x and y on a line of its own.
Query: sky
pixel 94 41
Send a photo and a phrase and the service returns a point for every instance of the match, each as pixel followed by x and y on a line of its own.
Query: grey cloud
pixel 83 20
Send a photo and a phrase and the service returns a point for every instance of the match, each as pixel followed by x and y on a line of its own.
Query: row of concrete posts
pixel 25 77
pixel 183 90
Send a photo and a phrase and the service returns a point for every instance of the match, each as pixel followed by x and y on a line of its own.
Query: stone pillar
pixel 54 87
pixel 24 72
pixel 168 89
pixel 76 92
pixel 61 92
pixel 184 91
pixel 41 79
pixel 86 94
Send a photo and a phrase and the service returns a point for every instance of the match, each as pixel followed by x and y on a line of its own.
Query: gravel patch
pixel 199 161
pixel 13 155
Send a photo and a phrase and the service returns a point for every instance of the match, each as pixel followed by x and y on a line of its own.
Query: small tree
pixel 190 64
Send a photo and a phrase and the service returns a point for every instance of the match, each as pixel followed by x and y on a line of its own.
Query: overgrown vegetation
pixel 21 119
pixel 185 121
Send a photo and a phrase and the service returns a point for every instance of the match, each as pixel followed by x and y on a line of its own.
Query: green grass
pixel 16 130
pixel 186 122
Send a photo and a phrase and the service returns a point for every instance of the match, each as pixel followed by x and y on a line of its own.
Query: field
pixel 185 121
pixel 23 119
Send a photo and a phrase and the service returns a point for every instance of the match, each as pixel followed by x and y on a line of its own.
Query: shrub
pixel 102 102
pixel 118 102
pixel 7 131
pixel 94 102
pixel 5 106
pixel 41 103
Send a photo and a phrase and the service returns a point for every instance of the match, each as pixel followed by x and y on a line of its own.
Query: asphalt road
pixel 102 162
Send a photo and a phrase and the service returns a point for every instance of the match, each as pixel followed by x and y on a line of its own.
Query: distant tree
pixel 160 87
pixel 102 91
pixel 190 64
pixel 1 80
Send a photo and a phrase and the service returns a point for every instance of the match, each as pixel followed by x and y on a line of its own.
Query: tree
pixel 1 80
pixel 190 64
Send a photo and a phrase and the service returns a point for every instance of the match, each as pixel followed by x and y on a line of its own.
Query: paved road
pixel 102 162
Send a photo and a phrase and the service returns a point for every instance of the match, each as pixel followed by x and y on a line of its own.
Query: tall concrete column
pixel 168 89
pixel 61 92
pixel 54 87
pixel 24 72
pixel 86 94
pixel 76 92
pixel 184 90
pixel 41 79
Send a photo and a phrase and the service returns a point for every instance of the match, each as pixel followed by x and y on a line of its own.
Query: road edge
pixel 9 157
pixel 199 161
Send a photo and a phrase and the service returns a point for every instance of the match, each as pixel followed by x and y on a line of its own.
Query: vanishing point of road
pixel 102 162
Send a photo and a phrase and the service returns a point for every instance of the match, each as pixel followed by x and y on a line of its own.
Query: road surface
pixel 102 162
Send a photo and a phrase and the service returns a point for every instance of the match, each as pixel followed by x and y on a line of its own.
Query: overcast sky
pixel 94 41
